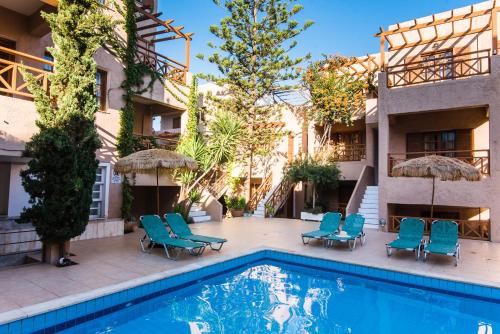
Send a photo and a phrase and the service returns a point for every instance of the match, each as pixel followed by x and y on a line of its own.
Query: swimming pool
pixel 273 292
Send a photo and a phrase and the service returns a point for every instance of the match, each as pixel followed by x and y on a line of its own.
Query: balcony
pixel 12 62
pixel 477 158
pixel 478 229
pixel 439 67
pixel 162 65
pixel 143 142
pixel 344 152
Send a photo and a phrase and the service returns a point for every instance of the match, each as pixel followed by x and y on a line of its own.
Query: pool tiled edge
pixel 65 312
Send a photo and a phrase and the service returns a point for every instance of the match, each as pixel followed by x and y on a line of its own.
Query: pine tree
pixel 253 60
pixel 61 172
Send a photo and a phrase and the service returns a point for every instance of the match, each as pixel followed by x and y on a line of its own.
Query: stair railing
pixel 260 193
pixel 278 197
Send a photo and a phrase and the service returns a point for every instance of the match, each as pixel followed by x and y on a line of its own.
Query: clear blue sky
pixel 341 26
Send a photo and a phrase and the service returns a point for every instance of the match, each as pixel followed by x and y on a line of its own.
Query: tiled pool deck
pixel 109 265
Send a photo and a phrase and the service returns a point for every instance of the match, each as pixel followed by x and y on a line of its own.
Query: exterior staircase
pixel 197 215
pixel 369 207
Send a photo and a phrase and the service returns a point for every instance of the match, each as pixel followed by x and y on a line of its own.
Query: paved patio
pixel 107 262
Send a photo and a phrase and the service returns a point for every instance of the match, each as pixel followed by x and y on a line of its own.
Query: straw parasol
pixel 154 160
pixel 432 166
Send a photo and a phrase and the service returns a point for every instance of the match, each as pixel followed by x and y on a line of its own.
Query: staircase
pixel 369 207
pixel 197 215
pixel 275 198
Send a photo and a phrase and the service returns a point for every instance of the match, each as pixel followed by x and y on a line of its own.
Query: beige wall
pixel 18 115
pixel 453 96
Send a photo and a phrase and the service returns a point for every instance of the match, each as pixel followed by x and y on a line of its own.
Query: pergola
pixel 152 30
pixel 457 23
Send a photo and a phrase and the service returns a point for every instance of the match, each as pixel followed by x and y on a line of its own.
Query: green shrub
pixel 235 202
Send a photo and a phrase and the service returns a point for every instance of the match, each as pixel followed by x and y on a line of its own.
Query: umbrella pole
pixel 157 194
pixel 432 201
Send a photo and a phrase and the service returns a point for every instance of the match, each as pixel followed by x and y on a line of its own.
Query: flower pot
pixel 129 226
pixel 237 213
pixel 311 216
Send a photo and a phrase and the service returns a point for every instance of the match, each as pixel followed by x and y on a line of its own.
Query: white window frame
pixel 107 180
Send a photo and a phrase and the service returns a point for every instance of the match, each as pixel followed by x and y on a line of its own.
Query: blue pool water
pixel 273 297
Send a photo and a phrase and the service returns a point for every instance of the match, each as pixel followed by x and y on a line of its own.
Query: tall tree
pixel 253 60
pixel 61 172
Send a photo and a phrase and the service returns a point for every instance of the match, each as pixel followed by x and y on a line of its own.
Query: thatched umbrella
pixel 154 160
pixel 432 166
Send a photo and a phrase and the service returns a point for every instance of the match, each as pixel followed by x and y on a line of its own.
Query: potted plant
pixel 323 174
pixel 235 205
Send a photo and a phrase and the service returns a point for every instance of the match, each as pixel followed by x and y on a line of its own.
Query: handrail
pixel 278 197
pixel 260 193
pixel 477 158
pixel 459 65
pixel 6 247
pixel 467 229
pixel 11 80
pixel 25 55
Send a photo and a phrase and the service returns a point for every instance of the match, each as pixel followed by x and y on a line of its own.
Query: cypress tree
pixel 253 60
pixel 61 172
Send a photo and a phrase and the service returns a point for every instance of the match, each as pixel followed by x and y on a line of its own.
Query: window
pixel 47 67
pixel 439 141
pixel 101 90
pixel 438 65
pixel 99 193
pixel 176 122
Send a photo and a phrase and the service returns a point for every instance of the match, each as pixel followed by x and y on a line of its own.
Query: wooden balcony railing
pixel 11 79
pixel 440 68
pixel 467 229
pixel 342 152
pixel 143 142
pixel 477 158
pixel 260 192
pixel 161 64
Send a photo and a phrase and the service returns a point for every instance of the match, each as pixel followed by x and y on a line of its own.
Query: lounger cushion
pixel 404 244
pixel 342 238
pixel 182 230
pixel 204 239
pixel 316 234
pixel 440 248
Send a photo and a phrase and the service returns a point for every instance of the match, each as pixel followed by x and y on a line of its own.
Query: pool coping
pixel 157 282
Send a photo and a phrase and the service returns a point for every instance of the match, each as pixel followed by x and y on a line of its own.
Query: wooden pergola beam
pixel 154 18
pixel 435 22
pixel 441 38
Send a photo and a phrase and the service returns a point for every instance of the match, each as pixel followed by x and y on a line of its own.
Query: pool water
pixel 273 297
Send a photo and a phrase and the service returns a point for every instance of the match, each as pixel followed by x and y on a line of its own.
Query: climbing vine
pixel 134 84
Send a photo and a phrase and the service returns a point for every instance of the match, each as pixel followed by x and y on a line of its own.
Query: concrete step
pixel 371 223
pixel 258 216
pixel 197 213
pixel 369 205
pixel 368 211
pixel 369 201
pixel 201 219
pixel 370 215
pixel 259 212
pixel 371 187
pixel 195 208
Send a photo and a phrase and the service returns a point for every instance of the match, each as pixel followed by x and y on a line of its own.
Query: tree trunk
pixel 314 194
pixel 54 251
pixel 249 177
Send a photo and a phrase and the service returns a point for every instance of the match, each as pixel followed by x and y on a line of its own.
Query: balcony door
pixel 451 143
pixel 5 58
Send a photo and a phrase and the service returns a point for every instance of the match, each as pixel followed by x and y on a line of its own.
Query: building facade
pixel 24 41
